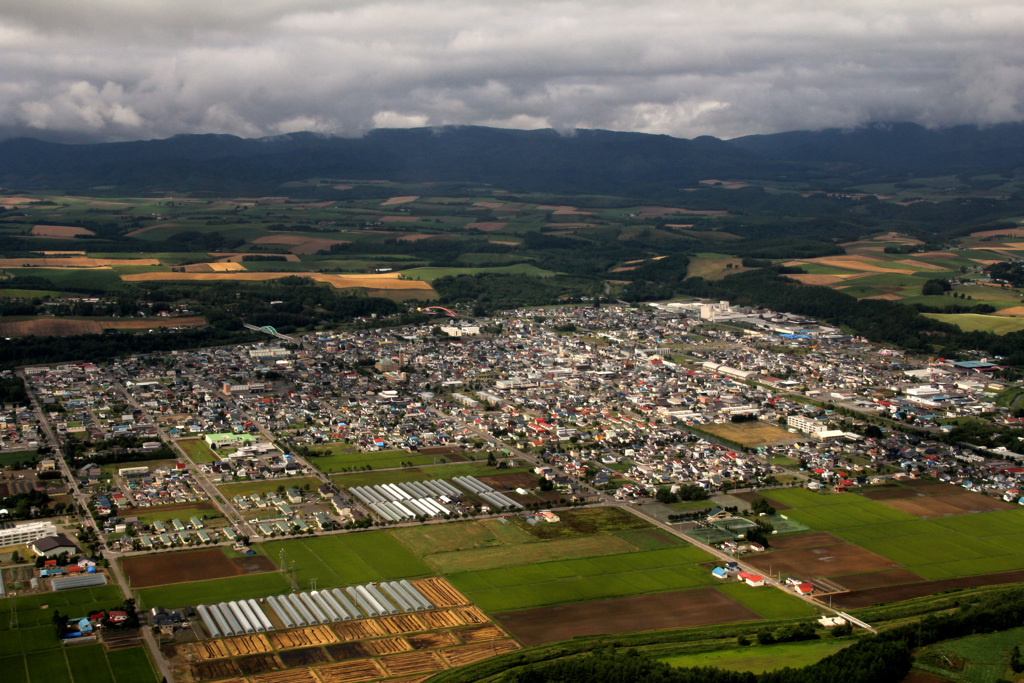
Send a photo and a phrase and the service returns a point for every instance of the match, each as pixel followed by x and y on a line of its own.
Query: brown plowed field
pixel 345 651
pixel 386 646
pixel 257 664
pixel 439 592
pixel 144 571
pixel 63 327
pixel 677 609
pixel 221 668
pixel 831 560
pixel 874 596
pixel 432 641
pixel 890 577
pixel 358 630
pixel 459 656
pixel 350 672
pixel 889 493
pixel 951 504
pixel 480 634
pixel 813 539
pixel 400 623
pixel 412 663
pixel 247 645
pixel 442 618
pixel 303 637
pixel 304 657
pixel 518 479
pixel 293 676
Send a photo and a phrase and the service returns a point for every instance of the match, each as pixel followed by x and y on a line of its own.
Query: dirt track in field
pixel 677 609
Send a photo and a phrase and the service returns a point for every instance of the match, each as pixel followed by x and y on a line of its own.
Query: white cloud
pixel 122 69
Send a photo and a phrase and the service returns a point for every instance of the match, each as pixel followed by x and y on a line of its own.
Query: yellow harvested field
pixel 60 253
pixel 75 262
pixel 215 267
pixel 857 264
pixel 58 231
pixel 16 201
pixel 364 281
pixel 64 327
pixel 510 244
pixel 885 297
pixel 1000 232
pixel 1012 311
pixel 400 200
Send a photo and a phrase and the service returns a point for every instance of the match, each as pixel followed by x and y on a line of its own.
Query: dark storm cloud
pixel 120 69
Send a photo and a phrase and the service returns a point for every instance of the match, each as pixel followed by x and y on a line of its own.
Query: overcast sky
pixel 136 69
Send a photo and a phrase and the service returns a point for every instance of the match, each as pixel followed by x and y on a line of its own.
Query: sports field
pixel 752 434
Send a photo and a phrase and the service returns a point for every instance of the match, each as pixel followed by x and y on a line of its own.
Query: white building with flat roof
pixel 22 534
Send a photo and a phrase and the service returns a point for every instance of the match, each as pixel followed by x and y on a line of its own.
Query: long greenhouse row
pixel 408 500
pixel 475 486
pixel 313 607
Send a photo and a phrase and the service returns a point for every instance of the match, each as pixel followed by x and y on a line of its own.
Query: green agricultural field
pixel 981 658
pixel 758 659
pixel 593 578
pixel 132 665
pixel 267 486
pixel 976 322
pixel 348 559
pixel 215 590
pixel 769 602
pixel 198 450
pixel 340 457
pixel 940 548
pixel 541 551
pixel 31 651
pixel 12 457
pixel 446 538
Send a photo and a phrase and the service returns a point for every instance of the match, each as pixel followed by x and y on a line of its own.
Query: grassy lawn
pixel 198 450
pixel 758 659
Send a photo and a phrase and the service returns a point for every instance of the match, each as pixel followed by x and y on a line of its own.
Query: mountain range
pixel 584 162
